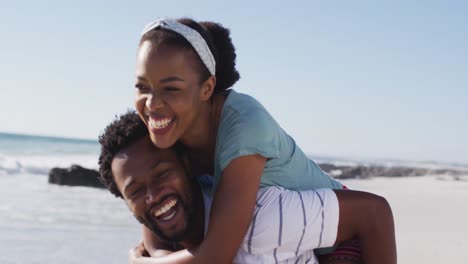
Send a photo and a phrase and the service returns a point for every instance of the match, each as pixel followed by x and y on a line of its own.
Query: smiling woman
pixel 174 85
pixel 184 71
pixel 171 73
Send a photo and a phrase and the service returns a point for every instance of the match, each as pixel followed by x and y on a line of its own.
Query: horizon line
pixel 48 136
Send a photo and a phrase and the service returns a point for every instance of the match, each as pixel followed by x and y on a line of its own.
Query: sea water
pixel 46 223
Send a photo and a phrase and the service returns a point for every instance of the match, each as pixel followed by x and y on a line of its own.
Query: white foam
pixel 41 164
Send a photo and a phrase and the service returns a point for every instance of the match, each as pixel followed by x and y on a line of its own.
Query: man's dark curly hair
pixel 121 133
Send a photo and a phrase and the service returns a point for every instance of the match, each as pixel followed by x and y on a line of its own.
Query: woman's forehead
pixel 153 59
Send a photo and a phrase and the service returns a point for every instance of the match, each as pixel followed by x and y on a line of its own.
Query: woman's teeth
pixel 166 208
pixel 161 123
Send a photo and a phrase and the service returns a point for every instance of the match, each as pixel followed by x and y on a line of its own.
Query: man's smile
pixel 166 210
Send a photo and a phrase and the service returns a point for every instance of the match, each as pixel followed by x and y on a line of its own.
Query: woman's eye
pixel 171 89
pixel 142 88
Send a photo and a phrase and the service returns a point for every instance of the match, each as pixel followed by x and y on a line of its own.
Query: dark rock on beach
pixel 75 176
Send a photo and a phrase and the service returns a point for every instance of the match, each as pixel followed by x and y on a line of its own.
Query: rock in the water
pixel 75 176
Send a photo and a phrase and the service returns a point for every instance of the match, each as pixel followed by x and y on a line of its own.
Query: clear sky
pixel 363 79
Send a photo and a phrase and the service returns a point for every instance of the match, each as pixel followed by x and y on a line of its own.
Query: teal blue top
pixel 247 128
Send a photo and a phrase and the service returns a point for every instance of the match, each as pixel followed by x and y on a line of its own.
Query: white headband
pixel 192 36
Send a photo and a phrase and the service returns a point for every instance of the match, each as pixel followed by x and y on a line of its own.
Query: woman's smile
pixel 160 125
pixel 169 94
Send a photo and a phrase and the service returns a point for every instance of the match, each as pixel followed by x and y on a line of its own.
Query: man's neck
pixel 195 237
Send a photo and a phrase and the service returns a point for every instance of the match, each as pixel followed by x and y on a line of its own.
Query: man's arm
pixel 369 218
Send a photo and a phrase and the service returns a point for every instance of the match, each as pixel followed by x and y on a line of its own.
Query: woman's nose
pixel 154 102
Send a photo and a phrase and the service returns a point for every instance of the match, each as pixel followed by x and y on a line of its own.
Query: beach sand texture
pixel 42 223
pixel 431 216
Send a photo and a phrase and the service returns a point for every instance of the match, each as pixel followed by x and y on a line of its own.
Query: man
pixel 174 207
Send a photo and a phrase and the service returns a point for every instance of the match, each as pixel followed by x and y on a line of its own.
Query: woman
pixel 184 71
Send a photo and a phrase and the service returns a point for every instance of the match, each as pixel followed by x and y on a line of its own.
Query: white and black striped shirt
pixel 287 225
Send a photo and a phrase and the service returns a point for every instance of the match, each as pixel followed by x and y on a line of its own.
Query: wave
pixel 41 164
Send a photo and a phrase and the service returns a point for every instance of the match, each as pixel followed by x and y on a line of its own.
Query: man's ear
pixel 208 88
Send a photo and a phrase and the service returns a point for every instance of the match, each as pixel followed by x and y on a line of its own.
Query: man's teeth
pixel 166 208
pixel 169 216
pixel 162 123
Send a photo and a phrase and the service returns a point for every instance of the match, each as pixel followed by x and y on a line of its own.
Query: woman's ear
pixel 208 88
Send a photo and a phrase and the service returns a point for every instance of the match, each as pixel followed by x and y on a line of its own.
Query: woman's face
pixel 169 94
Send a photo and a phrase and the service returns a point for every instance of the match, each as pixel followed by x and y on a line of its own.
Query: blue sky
pixel 363 79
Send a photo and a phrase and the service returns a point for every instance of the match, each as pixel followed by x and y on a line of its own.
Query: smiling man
pixel 174 207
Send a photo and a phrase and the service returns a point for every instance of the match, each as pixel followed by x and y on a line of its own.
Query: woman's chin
pixel 161 142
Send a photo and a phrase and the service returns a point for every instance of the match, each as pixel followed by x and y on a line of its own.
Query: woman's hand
pixel 137 253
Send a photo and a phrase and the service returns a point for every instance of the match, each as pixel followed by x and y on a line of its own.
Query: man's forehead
pixel 144 152
pixel 139 160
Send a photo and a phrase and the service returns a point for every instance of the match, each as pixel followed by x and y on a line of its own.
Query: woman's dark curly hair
pixel 219 41
pixel 122 132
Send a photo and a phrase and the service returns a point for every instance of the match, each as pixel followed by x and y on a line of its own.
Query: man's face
pixel 156 188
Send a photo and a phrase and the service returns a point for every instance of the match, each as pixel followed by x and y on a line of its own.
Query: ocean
pixel 46 223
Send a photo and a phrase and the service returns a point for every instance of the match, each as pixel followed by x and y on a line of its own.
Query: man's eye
pixel 164 173
pixel 136 192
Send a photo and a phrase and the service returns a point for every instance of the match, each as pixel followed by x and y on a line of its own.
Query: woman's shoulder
pixel 241 102
pixel 245 110
pixel 240 107
pixel 245 119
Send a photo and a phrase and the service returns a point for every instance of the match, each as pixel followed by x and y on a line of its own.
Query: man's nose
pixel 152 193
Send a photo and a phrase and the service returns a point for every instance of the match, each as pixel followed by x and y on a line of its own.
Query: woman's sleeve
pixel 248 134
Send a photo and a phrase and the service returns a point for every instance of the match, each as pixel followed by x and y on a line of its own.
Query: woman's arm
pixel 152 251
pixel 137 256
pixel 152 245
pixel 232 210
pixel 369 218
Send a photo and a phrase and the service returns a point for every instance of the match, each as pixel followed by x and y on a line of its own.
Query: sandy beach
pixel 42 223
pixel 431 216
